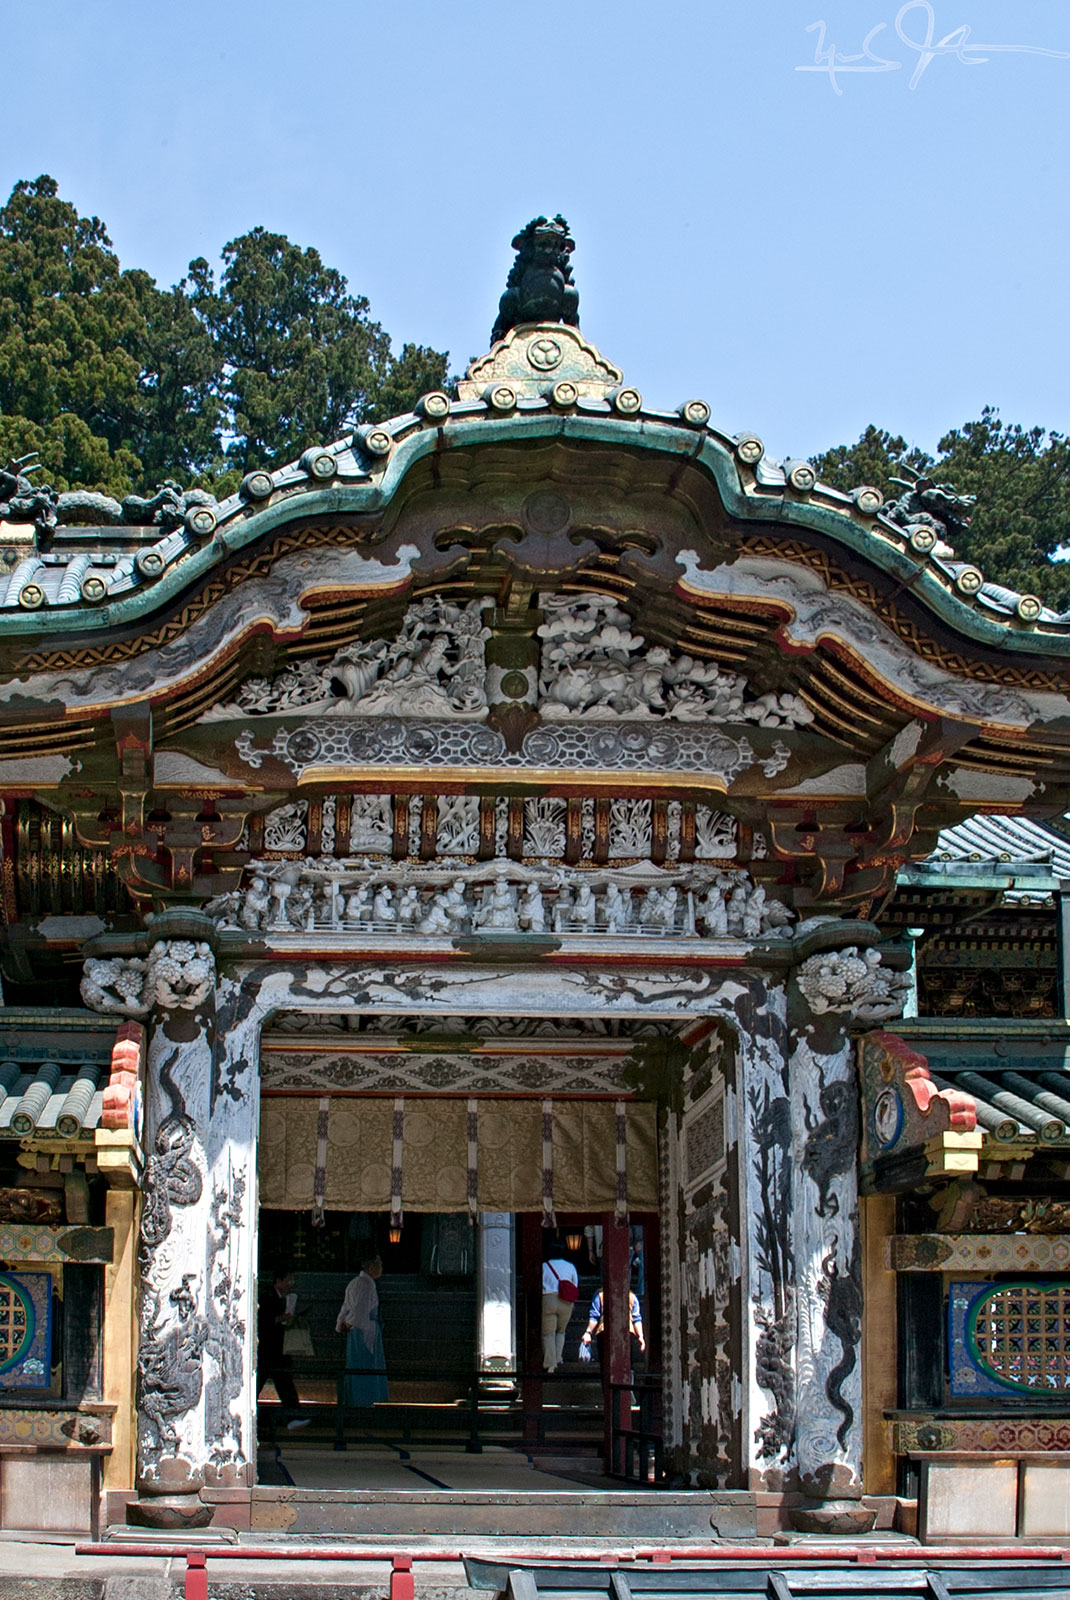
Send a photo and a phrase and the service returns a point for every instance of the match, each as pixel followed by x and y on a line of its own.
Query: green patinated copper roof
pixel 540 384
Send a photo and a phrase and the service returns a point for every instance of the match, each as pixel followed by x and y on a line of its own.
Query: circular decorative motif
pixel 749 448
pixel 201 520
pixel 802 478
pixel 257 485
pixel 149 563
pixel 378 442
pixel 544 353
pixel 485 744
pixel 867 499
pixel 31 595
pixel 435 405
pixel 696 413
pixel 546 511
pixel 93 590
pixel 969 580
pixel 887 1117
pixel 322 465
pixel 303 745
pixel 515 685
pixel 628 401
pixel 1029 607
pixel 1019 1334
pixel 922 540
pixel 564 393
pixel 501 397
pixel 18 1322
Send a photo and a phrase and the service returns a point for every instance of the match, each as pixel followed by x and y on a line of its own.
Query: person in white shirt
pixel 560 1291
pixel 359 1320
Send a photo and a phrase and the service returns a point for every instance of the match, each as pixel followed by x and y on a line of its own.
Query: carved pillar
pixel 828 1277
pixel 833 990
pixel 196 1252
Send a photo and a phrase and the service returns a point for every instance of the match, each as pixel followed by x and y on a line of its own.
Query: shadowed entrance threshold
pixel 371 1490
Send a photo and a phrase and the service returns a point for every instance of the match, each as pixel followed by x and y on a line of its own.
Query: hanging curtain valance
pixel 457 1155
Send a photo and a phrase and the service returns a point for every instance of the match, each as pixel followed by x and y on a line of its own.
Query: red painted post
pixel 402 1583
pixel 616 1343
pixel 196 1575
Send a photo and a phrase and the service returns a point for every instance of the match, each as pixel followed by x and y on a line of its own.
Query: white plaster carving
pixel 630 828
pixel 843 981
pixel 371 824
pixel 179 974
pixel 715 834
pixel 569 746
pixel 328 825
pixel 544 828
pixel 116 984
pixel 434 667
pixel 594 665
pixel 640 901
pixel 458 824
pixel 673 820
pixel 286 828
pixel 416 814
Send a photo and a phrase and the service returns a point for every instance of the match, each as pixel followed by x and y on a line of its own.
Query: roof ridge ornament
pixel 537 350
pixel 539 287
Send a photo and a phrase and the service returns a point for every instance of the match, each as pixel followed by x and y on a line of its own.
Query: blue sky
pixel 807 261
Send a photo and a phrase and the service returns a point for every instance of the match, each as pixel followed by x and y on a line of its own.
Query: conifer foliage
pixel 118 384
pixel 1021 477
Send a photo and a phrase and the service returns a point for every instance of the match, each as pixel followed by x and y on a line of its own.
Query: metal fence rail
pixel 789 1573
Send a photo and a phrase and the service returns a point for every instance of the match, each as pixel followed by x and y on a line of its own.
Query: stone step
pixel 640 1514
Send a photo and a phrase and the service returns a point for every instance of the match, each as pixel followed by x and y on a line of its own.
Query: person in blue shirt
pixel 596 1328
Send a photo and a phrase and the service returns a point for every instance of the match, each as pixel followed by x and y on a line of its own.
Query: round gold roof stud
pixel 31 596
pixel 500 397
pixel 201 520
pixel 258 485
pixel 749 448
pixel 867 499
pixel 1029 607
pixel 969 580
pixel 377 442
pixel 801 476
pixel 923 540
pixel 93 589
pixel 696 413
pixel 434 406
pixel 322 465
pixel 150 564
pixel 627 401
pixel 564 394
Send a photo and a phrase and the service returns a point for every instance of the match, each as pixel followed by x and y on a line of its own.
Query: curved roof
pixel 88 577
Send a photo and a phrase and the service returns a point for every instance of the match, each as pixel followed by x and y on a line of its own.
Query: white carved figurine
pixel 584 908
pixel 436 918
pixel 531 913
pixel 616 908
pixel 256 902
pixel 383 910
pixel 498 909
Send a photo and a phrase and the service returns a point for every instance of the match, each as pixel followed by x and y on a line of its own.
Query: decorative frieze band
pixel 979 1252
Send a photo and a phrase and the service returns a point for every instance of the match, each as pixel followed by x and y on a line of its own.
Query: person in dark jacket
pixel 274 1314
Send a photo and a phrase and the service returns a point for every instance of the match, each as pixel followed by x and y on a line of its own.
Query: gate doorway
pixel 457 1406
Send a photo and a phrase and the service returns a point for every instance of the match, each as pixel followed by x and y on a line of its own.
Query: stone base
pixel 170 1512
pixel 834 1517
pixel 170 1498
